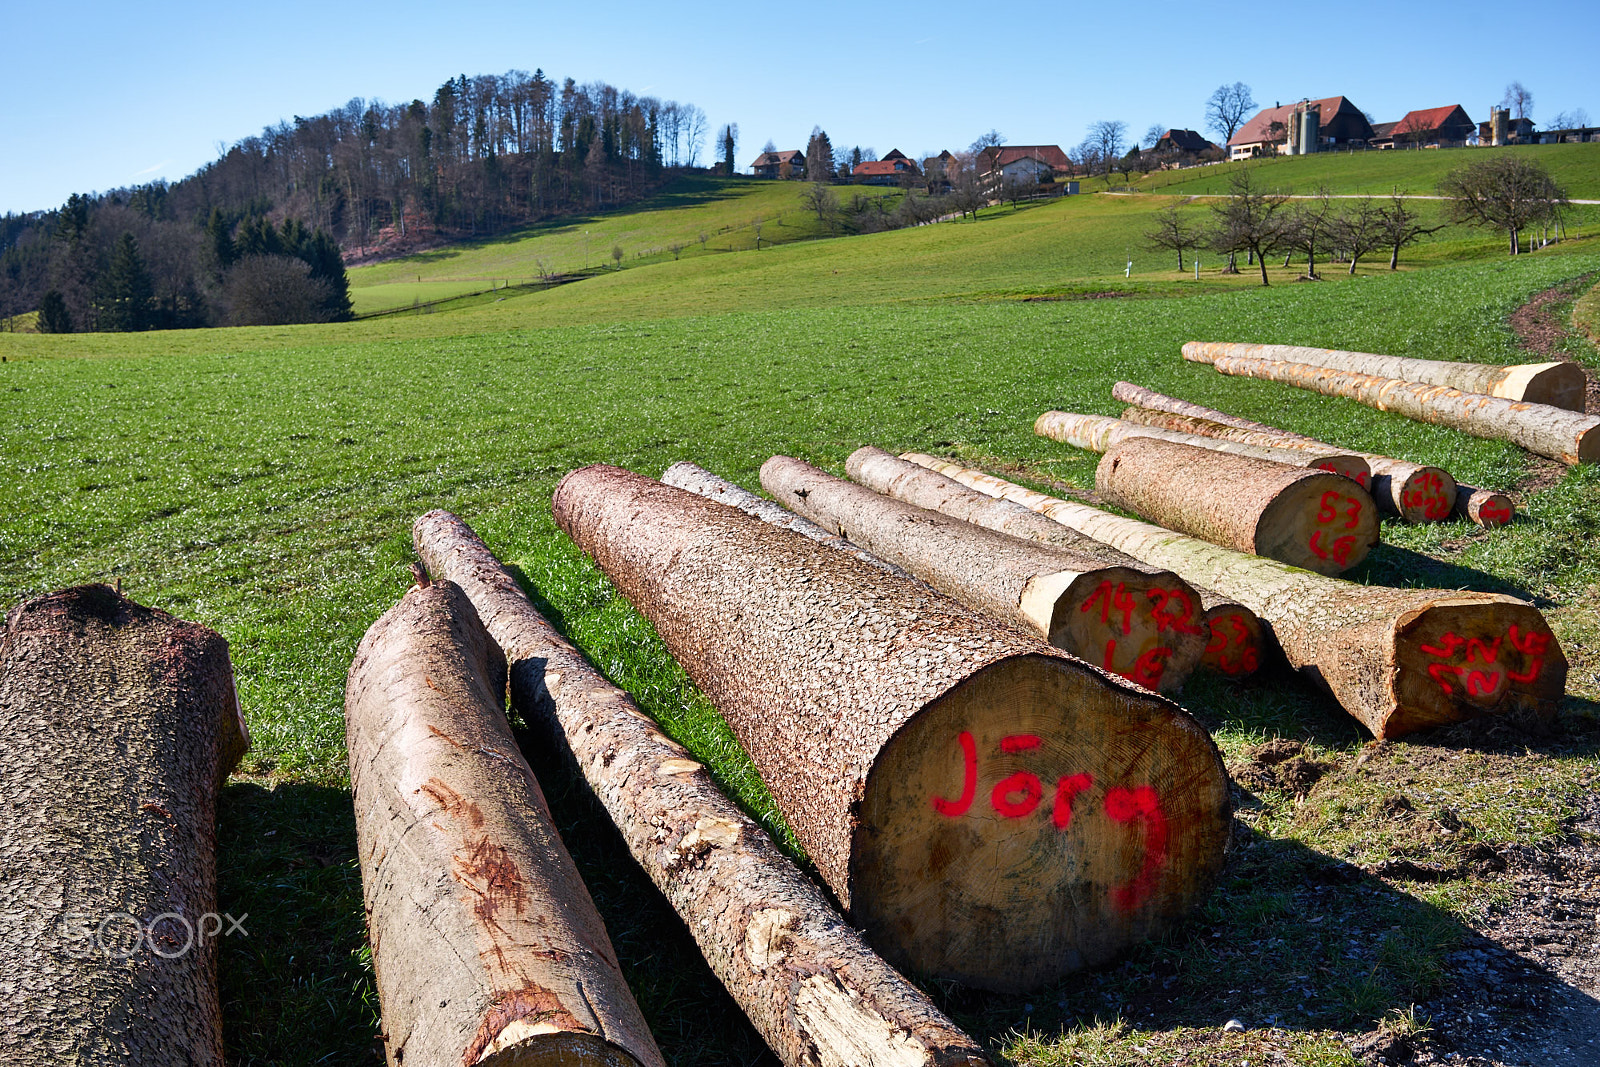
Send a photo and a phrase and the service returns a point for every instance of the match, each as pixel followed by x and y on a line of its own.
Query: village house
pixel 1301 128
pixel 939 171
pixel 1182 141
pixel 1448 127
pixel 789 163
pixel 886 171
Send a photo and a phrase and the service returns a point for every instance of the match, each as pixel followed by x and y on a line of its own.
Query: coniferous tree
pixel 730 138
pixel 219 248
pixel 53 314
pixel 327 265
pixel 124 290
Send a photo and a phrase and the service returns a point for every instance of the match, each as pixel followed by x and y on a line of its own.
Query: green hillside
pixel 1575 166
pixel 263 482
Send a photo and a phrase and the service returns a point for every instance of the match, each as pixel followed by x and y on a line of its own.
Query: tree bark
pixel 902 735
pixel 1119 617
pixel 1399 660
pixel 1097 433
pixel 807 981
pixel 1311 519
pixel 1485 507
pixel 703 483
pixel 486 945
pixel 1412 492
pixel 1233 634
pixel 1556 384
pixel 1539 428
pixel 121 725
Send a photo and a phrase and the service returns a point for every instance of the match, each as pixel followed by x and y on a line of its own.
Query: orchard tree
pixel 1400 226
pixel 1357 230
pixel 1307 227
pixel 1505 192
pixel 1248 220
pixel 1227 109
pixel 1173 232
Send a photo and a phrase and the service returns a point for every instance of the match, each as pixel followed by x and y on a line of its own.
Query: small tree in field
pixel 616 256
pixel 1248 220
pixel 1306 229
pixel 1357 230
pixel 1504 192
pixel 1400 226
pixel 1173 232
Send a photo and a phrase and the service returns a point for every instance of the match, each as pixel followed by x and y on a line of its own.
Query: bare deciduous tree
pixel 1502 192
pixel 1357 230
pixel 1173 232
pixel 820 199
pixel 1227 109
pixel 1109 136
pixel 1151 136
pixel 1248 220
pixel 1519 100
pixel 992 139
pixel 1306 229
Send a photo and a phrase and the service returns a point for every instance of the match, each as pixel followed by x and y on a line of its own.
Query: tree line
pixel 483 154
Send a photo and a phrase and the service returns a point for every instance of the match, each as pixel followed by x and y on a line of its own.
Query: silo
pixel 1309 128
pixel 1499 119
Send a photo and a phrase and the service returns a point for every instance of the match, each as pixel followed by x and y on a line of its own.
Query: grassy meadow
pixel 263 482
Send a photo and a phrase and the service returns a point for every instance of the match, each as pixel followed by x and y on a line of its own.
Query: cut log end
pixel 1465 657
pixel 527 1043
pixel 1355 468
pixel 1561 385
pixel 1485 507
pixel 1424 494
pixel 1322 523
pixel 1146 627
pixel 1033 821
pixel 1238 641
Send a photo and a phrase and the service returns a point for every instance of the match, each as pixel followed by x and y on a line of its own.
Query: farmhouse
pixel 886 171
pixel 789 163
pixel 1298 129
pixel 1433 126
pixel 939 170
pixel 1008 160
pixel 1182 141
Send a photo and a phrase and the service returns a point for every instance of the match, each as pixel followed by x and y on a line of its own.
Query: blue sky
pixel 106 95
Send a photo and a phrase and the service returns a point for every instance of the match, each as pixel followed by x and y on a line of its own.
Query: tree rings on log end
pixel 1468 656
pixel 1424 494
pixel 1324 523
pixel 1034 820
pixel 1146 627
pixel 1560 384
pixel 1485 507
pixel 1356 468
pixel 1237 643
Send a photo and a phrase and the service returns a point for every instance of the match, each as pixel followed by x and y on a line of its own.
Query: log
pixel 702 482
pixel 1556 384
pixel 1233 634
pixel 1096 433
pixel 121 726
pixel 1398 660
pixel 1539 428
pixel 486 946
pixel 903 735
pixel 808 982
pixel 1485 507
pixel 1412 492
pixel 1309 519
pixel 1119 616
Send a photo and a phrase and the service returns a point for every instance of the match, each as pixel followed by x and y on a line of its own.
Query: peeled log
pixel 1310 519
pixel 807 981
pixel 1097 433
pixel 486 946
pixel 988 809
pixel 121 725
pixel 1399 660
pixel 1234 634
pixel 702 482
pixel 1539 428
pixel 1114 614
pixel 1557 384
pixel 1485 507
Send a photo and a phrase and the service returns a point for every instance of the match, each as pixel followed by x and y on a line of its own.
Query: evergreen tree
pixel 219 243
pixel 53 314
pixel 124 291
pixel 327 264
pixel 730 136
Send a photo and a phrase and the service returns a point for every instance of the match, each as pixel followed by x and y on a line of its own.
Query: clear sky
pixel 106 95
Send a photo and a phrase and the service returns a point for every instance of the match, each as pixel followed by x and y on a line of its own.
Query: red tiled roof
pixel 1046 153
pixel 773 159
pixel 873 168
pixel 1185 141
pixel 1428 119
pixel 1259 129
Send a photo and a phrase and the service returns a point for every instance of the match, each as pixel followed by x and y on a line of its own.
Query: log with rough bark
pixel 121 725
pixel 987 808
pixel 1485 507
pixel 1097 433
pixel 1548 431
pixel 1413 492
pixel 485 943
pixel 698 480
pixel 1310 519
pixel 1399 660
pixel 1233 634
pixel 1557 384
pixel 807 981
pixel 1111 612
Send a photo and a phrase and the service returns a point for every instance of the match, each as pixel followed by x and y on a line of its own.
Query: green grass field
pixel 263 482
pixel 1576 167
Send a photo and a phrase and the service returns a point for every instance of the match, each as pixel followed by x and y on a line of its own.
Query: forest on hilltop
pixel 486 153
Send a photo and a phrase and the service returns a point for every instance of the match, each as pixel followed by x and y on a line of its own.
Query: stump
pixel 1309 519
pixel 1125 618
pixel 1412 492
pixel 1096 433
pixel 486 946
pixel 1557 384
pixel 807 981
pixel 1234 636
pixel 1399 660
pixel 121 726
pixel 1548 431
pixel 902 734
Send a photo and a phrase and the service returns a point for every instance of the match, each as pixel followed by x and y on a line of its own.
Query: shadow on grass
pixel 297 989
pixel 1404 568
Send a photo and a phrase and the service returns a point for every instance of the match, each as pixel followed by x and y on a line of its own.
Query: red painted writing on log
pixel 1428 494
pixel 1230 630
pixel 1481 681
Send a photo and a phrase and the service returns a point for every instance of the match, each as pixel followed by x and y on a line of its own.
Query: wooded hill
pixel 487 153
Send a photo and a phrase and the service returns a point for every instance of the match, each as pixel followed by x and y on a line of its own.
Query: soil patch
pixel 1542 329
